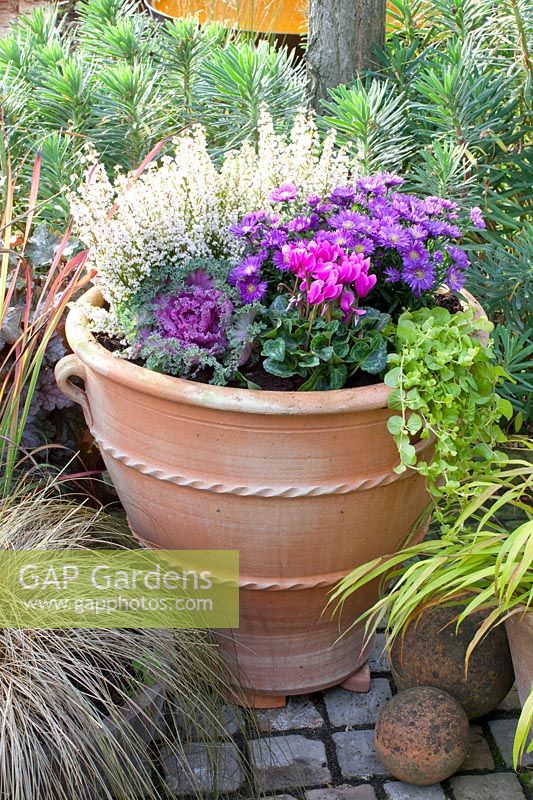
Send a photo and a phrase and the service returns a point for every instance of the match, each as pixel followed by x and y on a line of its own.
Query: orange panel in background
pixel 265 16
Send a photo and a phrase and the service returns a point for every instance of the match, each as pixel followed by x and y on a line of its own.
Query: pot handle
pixel 67 368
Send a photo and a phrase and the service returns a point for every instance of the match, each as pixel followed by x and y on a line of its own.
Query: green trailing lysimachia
pixel 443 380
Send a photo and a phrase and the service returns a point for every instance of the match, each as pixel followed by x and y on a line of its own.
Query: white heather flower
pixel 182 207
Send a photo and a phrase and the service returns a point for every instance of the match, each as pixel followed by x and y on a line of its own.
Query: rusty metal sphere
pixel 422 735
pixel 432 653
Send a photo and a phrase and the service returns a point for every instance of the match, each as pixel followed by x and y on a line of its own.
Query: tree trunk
pixel 343 35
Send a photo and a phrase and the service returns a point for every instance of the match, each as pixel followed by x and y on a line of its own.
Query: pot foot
pixel 259 701
pixel 359 681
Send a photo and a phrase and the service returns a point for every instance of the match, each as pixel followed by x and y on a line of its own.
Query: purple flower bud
pixel 477 217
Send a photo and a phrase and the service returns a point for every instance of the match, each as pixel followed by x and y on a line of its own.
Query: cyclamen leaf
pixel 376 361
pixel 324 353
pixel 359 351
pixel 279 368
pixel 319 343
pixel 311 383
pixel 337 376
pixel 274 349
pixel 308 360
pixel 279 304
pixel 342 349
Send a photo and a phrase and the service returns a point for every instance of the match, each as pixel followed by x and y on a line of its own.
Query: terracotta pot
pixel 302 484
pixel 520 634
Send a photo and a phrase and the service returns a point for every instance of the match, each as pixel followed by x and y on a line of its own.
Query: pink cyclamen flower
pixel 323 250
pixel 315 293
pixel 348 305
pixel 301 261
pixel 326 271
pixel 364 283
pixel 332 290
pixel 347 302
pixel 352 266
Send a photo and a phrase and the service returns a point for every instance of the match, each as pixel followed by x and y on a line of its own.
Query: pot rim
pixel 222 398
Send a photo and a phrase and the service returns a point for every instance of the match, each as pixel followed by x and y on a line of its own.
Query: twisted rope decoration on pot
pixel 264 583
pixel 360 485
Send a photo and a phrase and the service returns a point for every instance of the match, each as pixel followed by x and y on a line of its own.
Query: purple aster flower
pixel 314 200
pixel 274 237
pixel 393 236
pixel 249 268
pixel 284 193
pixel 371 183
pixel 248 224
pixel 410 207
pixel 438 256
pixel 349 221
pixel 324 208
pixel 282 258
pixel 455 278
pixel 415 254
pixel 452 231
pixel 343 196
pixel 458 256
pixel 195 317
pixel 477 217
pixel 448 205
pixel 419 277
pixel 437 228
pixel 341 238
pixel 372 228
pixel 363 244
pixel 252 289
pixel 390 179
pixel 300 224
pixel 434 205
pixel 392 275
pixel 418 233
pixel 381 207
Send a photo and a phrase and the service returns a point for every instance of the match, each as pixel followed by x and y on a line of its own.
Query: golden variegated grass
pixel 480 563
pixel 62 690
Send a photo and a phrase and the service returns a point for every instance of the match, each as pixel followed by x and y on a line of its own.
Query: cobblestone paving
pixel 321 747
